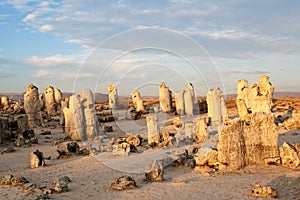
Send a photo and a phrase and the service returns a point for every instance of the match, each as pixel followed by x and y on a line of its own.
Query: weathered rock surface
pixel 206 156
pixel 179 103
pixel 61 184
pixel 231 146
pixel 36 159
pixel 154 171
pixel 260 95
pixel 137 101
pixel 123 183
pixel 32 106
pixel 201 133
pixel 290 156
pixel 189 99
pixel 217 111
pixel 263 191
pixel 112 96
pixel 261 140
pixel 165 98
pixel 153 132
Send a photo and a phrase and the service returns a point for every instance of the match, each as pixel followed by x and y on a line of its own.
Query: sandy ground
pixel 91 177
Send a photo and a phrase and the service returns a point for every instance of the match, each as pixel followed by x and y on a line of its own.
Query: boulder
pixel 263 191
pixel 36 159
pixel 289 155
pixel 61 184
pixel 154 171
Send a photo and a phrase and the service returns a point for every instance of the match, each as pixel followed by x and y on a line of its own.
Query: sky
pixel 136 44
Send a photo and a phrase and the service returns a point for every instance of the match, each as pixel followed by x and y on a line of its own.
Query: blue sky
pixel 74 44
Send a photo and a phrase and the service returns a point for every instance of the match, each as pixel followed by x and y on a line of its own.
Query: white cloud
pixel 46 28
pixel 51 61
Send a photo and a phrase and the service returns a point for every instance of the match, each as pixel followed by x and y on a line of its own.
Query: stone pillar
pixel 112 96
pixel 231 147
pixel 261 139
pixel 242 99
pixel 179 101
pixel 189 99
pixel 137 101
pixel 88 103
pixel 58 99
pixel 189 130
pixel 217 111
pixel 5 103
pixel 165 98
pixel 50 100
pixel 42 101
pixel 201 134
pixel 77 129
pixel 32 106
pixel 261 95
pixel 153 132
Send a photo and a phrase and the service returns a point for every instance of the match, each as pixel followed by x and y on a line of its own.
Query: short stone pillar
pixel 261 139
pixel 112 96
pixel 179 102
pixel 137 101
pixel 231 147
pixel 201 133
pixel 32 106
pixel 261 95
pixel 58 98
pixel 189 99
pixel 50 100
pixel 217 111
pixel 5 103
pixel 165 98
pixel 153 132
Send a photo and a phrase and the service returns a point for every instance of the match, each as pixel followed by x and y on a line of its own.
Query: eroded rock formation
pixel 165 98
pixel 189 99
pixel 137 101
pixel 112 96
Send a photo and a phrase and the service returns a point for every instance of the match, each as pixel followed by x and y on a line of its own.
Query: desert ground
pixel 92 177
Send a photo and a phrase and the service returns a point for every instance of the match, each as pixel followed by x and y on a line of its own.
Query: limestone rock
pixel 231 146
pixel 261 139
pixel 5 102
pixel 67 148
pixel 153 132
pixel 123 182
pixel 154 171
pixel 137 101
pixel 217 111
pixel 36 159
pixel 134 140
pixel 179 103
pixel 19 181
pixel 260 95
pixel 58 98
pixel 32 106
pixel 177 122
pixel 289 155
pixel 61 184
pixel 201 133
pixel 189 99
pixel 265 192
pixel 6 179
pixel 112 96
pixel 50 100
pixel 206 156
pixel 165 98
pixel 190 129
pixel 293 123
pixel 121 149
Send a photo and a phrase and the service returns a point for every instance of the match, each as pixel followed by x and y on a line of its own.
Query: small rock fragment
pixel 155 170
pixel 265 192
pixel 36 159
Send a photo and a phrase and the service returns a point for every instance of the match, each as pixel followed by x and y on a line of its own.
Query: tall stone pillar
pixel 179 101
pixel 165 98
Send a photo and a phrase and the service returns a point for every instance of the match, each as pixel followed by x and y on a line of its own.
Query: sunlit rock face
pixel 261 95
pixel 80 118
pixel 179 103
pixel 112 96
pixel 217 112
pixel 137 101
pixel 189 99
pixel 32 106
pixel 165 98
pixel 242 99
